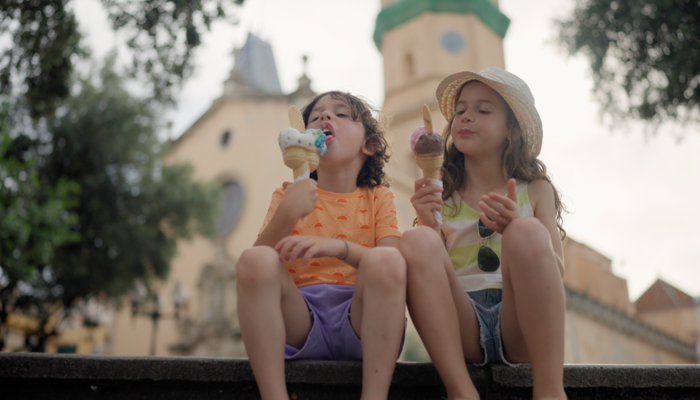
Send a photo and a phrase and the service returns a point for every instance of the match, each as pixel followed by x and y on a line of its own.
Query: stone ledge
pixel 24 375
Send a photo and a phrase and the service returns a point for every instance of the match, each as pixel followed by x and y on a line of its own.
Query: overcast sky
pixel 633 198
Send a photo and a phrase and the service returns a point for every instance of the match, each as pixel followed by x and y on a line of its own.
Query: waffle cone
pixel 313 159
pixel 295 157
pixel 296 119
pixel 430 164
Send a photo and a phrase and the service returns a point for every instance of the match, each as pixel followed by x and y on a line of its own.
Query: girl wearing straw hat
pixel 495 287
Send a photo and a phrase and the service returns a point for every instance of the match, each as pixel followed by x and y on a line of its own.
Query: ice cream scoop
pixel 301 148
pixel 295 147
pixel 428 146
pixel 428 143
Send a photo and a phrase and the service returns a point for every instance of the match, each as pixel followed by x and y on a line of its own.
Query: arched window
pixel 232 208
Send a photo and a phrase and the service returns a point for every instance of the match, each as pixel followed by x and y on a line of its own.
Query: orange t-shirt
pixel 363 217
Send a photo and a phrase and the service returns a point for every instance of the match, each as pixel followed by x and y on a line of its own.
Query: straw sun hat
pixel 513 90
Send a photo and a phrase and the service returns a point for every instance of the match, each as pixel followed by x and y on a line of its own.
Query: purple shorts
pixel 331 336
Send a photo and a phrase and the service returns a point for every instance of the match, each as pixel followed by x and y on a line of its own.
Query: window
pixel 232 207
pixel 409 67
pixel 225 138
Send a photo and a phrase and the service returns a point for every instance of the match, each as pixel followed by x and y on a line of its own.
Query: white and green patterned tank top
pixel 462 240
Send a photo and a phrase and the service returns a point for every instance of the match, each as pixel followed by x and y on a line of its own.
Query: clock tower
pixel 422 41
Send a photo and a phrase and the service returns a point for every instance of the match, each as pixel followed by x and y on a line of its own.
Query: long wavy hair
pixel 517 162
pixel 372 172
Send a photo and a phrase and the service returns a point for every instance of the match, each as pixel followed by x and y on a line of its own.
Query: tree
pixel 644 56
pixel 131 209
pixel 34 220
pixel 45 44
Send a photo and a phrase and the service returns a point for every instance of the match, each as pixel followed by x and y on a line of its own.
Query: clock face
pixel 452 42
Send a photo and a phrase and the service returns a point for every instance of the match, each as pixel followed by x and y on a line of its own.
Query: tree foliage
pixel 34 220
pixel 45 44
pixel 644 56
pixel 130 211
pixel 132 208
pixel 44 47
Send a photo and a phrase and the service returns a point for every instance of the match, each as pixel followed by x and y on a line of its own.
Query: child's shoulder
pixel 540 189
pixel 380 192
pixel 540 185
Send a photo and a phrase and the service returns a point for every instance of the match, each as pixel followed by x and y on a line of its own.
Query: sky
pixel 631 195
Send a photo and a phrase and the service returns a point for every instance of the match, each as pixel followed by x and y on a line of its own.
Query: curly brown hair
pixel 372 172
pixel 517 162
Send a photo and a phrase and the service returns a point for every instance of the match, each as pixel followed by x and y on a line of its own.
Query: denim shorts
pixel 487 306
pixel 331 336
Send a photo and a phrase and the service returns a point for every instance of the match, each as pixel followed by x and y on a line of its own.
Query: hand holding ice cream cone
pixel 429 149
pixel 301 148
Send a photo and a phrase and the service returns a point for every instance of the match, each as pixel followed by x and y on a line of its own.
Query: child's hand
pixel 426 199
pixel 292 248
pixel 499 211
pixel 300 199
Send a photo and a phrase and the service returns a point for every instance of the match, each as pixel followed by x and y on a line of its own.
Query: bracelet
pixel 347 249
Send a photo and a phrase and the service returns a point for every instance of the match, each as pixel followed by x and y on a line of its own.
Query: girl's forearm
pixel 356 251
pixel 280 226
pixel 353 254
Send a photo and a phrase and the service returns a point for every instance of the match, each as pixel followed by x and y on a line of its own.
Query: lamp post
pixel 138 295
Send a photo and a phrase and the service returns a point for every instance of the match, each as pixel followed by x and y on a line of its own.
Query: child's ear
pixel 516 133
pixel 369 148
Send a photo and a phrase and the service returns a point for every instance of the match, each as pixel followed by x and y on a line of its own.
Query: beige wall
pixel 591 342
pixel 681 322
pixel 590 272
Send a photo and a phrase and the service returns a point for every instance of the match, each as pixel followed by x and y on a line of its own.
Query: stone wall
pixel 47 376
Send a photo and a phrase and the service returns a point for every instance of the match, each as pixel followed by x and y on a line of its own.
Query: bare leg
pixel 270 310
pixel 532 315
pixel 377 315
pixel 435 300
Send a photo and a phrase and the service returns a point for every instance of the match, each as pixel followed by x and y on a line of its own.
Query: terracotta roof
pixel 663 295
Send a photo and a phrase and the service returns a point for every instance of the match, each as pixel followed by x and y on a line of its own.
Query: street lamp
pixel 138 295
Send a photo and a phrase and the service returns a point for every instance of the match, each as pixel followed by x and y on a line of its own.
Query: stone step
pixel 58 376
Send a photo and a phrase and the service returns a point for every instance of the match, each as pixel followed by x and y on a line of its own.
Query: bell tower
pixel 422 41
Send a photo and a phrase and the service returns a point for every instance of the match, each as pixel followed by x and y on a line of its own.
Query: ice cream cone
pixel 430 164
pixel 296 158
pixel 313 158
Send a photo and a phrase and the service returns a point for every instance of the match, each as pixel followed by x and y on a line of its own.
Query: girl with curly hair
pixel 332 287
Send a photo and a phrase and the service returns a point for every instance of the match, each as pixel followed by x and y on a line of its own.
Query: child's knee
pixel 419 242
pixel 526 238
pixel 257 265
pixel 384 266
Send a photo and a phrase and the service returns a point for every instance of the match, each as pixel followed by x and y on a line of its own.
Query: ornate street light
pixel 138 295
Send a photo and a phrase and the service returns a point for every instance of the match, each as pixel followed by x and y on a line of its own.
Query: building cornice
pixel 405 10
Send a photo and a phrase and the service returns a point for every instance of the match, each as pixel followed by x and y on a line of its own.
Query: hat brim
pixel 527 116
